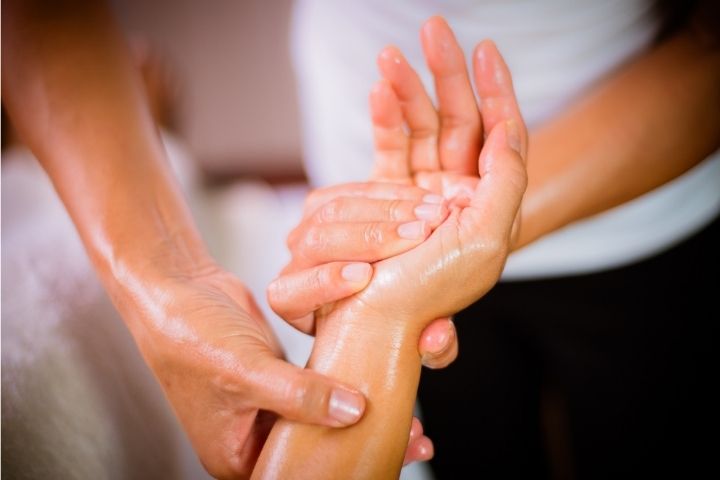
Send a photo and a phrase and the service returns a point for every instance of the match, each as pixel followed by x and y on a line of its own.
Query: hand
pixel 370 338
pixel 221 368
pixel 464 256
pixel 441 151
pixel 343 229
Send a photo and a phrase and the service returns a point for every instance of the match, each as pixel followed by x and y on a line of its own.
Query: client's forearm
pixel 377 353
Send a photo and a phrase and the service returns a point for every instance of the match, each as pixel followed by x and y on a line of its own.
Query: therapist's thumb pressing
pixel 306 396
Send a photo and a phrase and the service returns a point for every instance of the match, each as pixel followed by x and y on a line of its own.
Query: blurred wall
pixel 238 110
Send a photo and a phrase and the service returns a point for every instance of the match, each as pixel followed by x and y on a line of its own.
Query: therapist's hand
pixel 344 229
pixel 221 367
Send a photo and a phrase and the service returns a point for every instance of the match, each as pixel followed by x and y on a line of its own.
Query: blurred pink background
pixel 237 105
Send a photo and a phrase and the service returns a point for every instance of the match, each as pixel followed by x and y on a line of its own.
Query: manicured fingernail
pixel 345 407
pixel 512 134
pixel 356 272
pixel 412 230
pixel 428 212
pixel 433 199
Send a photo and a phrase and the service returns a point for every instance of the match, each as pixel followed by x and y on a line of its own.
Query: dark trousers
pixel 608 375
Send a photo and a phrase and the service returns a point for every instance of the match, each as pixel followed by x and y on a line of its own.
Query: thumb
pixel 304 395
pixel 503 179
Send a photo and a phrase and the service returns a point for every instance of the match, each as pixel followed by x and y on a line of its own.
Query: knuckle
pixel 318 279
pixel 395 210
pixel 459 120
pixel 330 211
pixel 306 397
pixel 297 395
pixel 292 238
pixel 310 200
pixel 373 234
pixel 275 294
pixel 517 174
pixel 311 242
pixel 423 133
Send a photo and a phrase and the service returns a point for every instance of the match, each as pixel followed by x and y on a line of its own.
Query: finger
pixel 363 242
pixel 420 447
pixel 295 296
pixel 377 190
pixel 438 344
pixel 303 395
pixel 391 142
pixel 430 207
pixel 496 200
pixel 417 109
pixel 421 450
pixel 416 430
pixel 460 127
pixel 493 83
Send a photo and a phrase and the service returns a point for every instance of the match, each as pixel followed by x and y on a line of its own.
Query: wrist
pixel 353 328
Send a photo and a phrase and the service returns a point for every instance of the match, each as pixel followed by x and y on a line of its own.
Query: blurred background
pixel 234 93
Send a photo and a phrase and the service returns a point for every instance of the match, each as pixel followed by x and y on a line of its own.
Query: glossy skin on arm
pixel 74 97
pixel 370 338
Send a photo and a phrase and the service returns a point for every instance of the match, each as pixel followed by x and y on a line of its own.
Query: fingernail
pixel 356 272
pixel 345 407
pixel 434 199
pixel 412 230
pixel 428 212
pixel 512 134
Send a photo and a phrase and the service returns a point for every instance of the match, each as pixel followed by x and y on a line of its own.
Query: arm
pixel 645 125
pixel 77 102
pixel 370 339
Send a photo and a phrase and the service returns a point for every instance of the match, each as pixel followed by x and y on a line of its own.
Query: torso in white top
pixel 556 50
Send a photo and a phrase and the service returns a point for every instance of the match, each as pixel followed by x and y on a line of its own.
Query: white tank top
pixel 556 50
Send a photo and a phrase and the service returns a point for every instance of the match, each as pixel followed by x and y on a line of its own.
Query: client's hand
pixel 387 219
pixel 463 258
pixel 371 338
pixel 440 154
pixel 441 149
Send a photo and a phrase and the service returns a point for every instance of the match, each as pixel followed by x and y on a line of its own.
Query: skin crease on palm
pixel 369 337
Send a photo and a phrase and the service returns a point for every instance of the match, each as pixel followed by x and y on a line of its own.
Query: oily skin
pixel 77 101
pixel 369 338
pixel 616 143
pixel 575 168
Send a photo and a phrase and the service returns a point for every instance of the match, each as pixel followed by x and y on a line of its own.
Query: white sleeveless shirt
pixel 556 50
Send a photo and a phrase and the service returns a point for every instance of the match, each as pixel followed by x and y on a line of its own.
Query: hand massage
pixel 535 183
